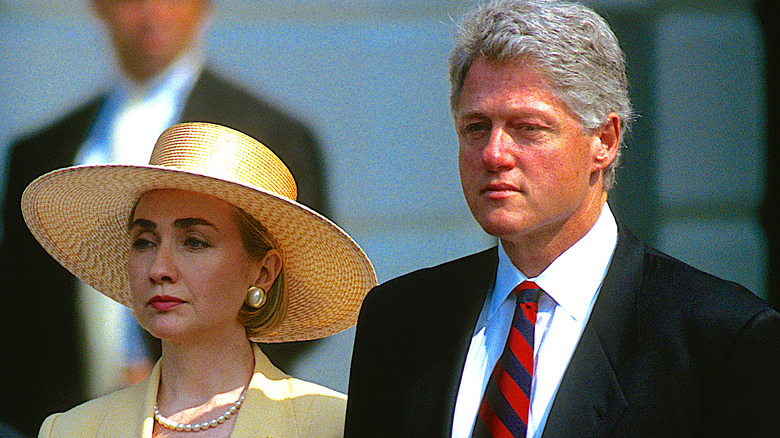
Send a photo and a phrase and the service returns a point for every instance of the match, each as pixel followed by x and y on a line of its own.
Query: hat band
pixel 228 155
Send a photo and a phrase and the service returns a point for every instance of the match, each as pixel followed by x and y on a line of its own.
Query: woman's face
pixel 188 269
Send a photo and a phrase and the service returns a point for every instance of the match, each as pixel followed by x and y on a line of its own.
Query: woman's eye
pixel 195 243
pixel 141 243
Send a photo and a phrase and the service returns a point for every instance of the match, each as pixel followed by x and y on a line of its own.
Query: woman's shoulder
pixel 272 379
pixel 301 408
pixel 300 387
pixel 316 411
pixel 90 417
pixel 307 396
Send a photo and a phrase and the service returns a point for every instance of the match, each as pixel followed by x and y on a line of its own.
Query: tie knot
pixel 528 292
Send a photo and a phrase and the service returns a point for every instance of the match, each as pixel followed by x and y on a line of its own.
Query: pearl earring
pixel 256 297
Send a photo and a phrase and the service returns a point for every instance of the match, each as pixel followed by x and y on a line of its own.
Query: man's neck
pixel 534 252
pixel 191 59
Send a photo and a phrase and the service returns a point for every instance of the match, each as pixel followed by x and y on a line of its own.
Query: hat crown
pixel 220 152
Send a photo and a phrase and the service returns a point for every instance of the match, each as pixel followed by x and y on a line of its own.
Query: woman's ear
pixel 270 267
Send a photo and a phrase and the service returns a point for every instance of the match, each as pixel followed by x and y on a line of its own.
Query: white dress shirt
pixel 570 284
pixel 135 114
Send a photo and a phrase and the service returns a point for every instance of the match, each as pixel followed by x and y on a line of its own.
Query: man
pixel 614 338
pixel 162 81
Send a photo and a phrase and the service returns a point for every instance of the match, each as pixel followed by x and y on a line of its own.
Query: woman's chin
pixel 165 329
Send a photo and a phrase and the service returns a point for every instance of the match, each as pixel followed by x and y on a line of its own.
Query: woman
pixel 209 249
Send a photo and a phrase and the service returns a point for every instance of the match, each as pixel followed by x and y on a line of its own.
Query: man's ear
pixel 606 142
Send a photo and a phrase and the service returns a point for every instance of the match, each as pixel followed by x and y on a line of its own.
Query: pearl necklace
pixel 197 427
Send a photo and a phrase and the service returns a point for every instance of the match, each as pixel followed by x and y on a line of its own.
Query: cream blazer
pixel 276 405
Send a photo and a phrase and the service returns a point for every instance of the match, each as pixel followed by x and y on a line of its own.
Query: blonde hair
pixel 257 242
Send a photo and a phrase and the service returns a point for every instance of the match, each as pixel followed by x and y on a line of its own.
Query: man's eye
pixel 476 127
pixel 533 127
pixel 475 131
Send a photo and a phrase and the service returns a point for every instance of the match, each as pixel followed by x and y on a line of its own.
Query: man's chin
pixel 501 230
pixel 500 223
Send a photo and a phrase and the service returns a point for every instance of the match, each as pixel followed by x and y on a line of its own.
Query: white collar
pixel 572 279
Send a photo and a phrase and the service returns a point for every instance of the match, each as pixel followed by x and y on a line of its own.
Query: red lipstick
pixel 163 303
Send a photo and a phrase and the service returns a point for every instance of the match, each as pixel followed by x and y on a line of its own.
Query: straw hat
pixel 80 214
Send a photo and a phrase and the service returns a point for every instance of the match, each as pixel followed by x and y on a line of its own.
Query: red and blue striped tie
pixel 504 408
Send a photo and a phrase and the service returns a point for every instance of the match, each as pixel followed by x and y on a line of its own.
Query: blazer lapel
pixel 270 395
pixel 590 399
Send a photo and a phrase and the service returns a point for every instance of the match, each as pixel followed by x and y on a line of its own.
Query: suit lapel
pixel 196 107
pixel 590 399
pixel 75 132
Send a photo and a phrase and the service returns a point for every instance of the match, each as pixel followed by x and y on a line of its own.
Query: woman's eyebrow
pixel 178 223
pixel 191 222
pixel 142 223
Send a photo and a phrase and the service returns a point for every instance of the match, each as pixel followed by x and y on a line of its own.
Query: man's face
pixel 149 34
pixel 528 170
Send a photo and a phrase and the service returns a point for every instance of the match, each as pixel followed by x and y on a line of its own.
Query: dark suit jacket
pixel 38 313
pixel 669 351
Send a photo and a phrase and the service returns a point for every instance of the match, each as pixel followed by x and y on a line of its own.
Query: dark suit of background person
pixel 38 308
pixel 667 351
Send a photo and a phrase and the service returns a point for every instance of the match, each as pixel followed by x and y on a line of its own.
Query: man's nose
pixel 497 153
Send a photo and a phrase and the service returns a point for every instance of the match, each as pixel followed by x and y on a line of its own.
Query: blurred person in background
pixel 162 78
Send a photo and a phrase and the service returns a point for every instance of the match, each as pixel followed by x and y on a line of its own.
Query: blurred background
pixel 370 77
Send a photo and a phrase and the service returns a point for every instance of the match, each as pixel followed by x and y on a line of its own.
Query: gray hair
pixel 571 45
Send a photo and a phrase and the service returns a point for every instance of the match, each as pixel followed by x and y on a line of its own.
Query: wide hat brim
pixel 80 216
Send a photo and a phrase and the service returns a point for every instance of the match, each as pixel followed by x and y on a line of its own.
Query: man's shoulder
pixel 70 128
pixel 451 281
pixel 212 82
pixel 685 285
pixel 661 272
pixel 452 269
pixel 409 312
pixel 688 294
pixel 213 87
pixel 51 146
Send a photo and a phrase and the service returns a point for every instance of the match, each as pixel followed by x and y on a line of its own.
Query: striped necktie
pixel 504 408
